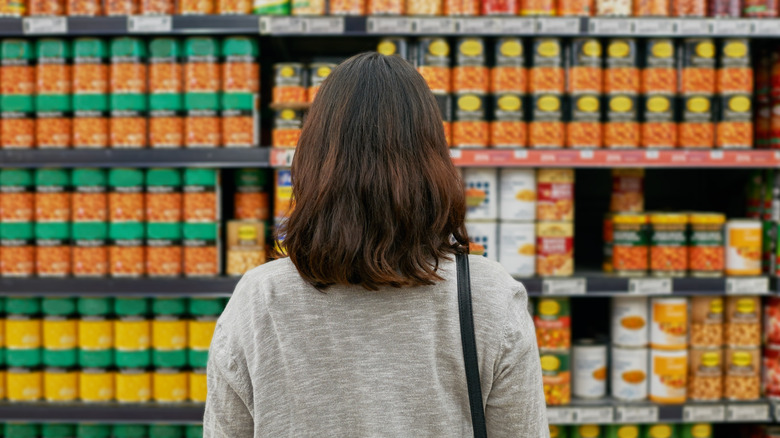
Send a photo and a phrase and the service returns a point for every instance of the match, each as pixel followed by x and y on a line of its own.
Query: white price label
pixel 519 26
pixel 654 26
pixel 586 154
pixel 602 415
pixel 693 26
pixel 716 155
pixel 704 413
pixel 149 23
pixel 611 26
pixel 747 412
pixel 281 25
pixel 636 414
pixel 455 153
pixel 558 26
pixel 324 25
pixel 749 286
pixel 389 25
pixel 560 415
pixel 766 27
pixel 776 407
pixel 650 285
pixel 563 286
pixel 479 26
pixel 732 27
pixel 44 25
pixel 521 154
pixel 652 155
pixel 433 25
pixel 282 157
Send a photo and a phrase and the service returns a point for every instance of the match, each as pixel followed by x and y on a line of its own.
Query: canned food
pixel 706 322
pixel 669 249
pixel 621 127
pixel 389 46
pixel 668 376
pixel 629 321
pixel 554 249
pixel 628 190
pixel 518 194
pixel 537 7
pixel 288 83
pixel 552 319
pixel 558 431
pixel 743 379
pixel 555 195
pixel 759 8
pixel 589 369
pixel 669 323
pixel 584 130
pixel 60 385
pixel 470 127
pixel 705 375
pixel 587 431
pixel 556 377
pixel 24 384
pixel 734 128
pixel 622 69
pixel 517 248
pixel 659 129
pixel 771 372
pixel 661 431
pixel 700 430
pixel 629 373
pixel 698 66
pixel 546 128
pixel 772 321
pixel 660 72
pixel 585 74
pixel 629 244
pixel 508 74
pixel 481 185
pixel 433 63
pixel 133 385
pixel 470 73
pixel 743 327
pixel 483 238
pixel 705 254
pixel 735 74
pixel 508 129
pixel 499 7
pixel 170 385
pixel 198 385
pixel 287 128
pixel 743 247
pixel 725 8
pixel 576 8
pixel 318 71
pixel 283 204
pixel 547 73
pixel 96 385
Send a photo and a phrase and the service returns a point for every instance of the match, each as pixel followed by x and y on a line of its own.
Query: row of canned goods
pixel 93 8
pixel 126 92
pixel 662 430
pixel 102 350
pixel 98 430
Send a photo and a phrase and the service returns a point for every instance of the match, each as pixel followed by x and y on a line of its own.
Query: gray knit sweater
pixel 290 361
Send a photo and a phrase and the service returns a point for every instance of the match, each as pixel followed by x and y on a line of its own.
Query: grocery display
pixel 104 430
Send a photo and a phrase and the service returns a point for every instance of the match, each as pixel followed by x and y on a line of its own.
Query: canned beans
pixel 201 77
pixel 128 77
pixel 157 7
pixel 705 379
pixel 121 7
pixel 165 77
pixel 669 250
pixel 201 261
pixel 743 379
pixel 53 132
pixel 18 79
pixel 202 131
pixel 46 7
pixel 630 244
pixel 90 132
pixel 196 7
pixel 234 7
pixel 17 133
pixel 241 77
pixel 706 322
pixel 90 78
pixel 53 78
pixel 239 131
pixel 128 132
pixel 166 131
pixel 743 328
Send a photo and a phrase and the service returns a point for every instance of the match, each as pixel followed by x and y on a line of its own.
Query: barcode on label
pixel 560 415
pixel 754 285
pixel 650 285
pixel 559 26
pixel 328 25
pixel 389 25
pixel 751 412
pixel 708 413
pixel 567 286
pixel 44 25
pixel 140 23
pixel 639 414
pixel 433 25
pixel 603 415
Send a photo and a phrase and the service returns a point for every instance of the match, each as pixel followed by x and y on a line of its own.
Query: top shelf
pixel 376 26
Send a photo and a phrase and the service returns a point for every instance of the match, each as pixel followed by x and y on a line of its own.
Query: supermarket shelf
pixel 102 413
pixel 177 24
pixel 200 287
pixel 220 158
pixel 600 284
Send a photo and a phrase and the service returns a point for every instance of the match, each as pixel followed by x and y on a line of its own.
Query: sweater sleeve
pixel 515 406
pixel 226 414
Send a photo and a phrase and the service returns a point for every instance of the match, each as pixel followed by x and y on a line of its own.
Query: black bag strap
pixel 470 346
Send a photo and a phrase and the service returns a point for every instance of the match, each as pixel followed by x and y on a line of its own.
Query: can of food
pixel 518 194
pixel 668 376
pixel 587 431
pixel 17 195
pixel 483 238
pixel 283 204
pixel 589 369
pixel 96 385
pixel 627 190
pixel 433 63
pixel 660 431
pixel 623 431
pixel 759 8
pixel 508 127
pixel 669 323
pixel 126 198
pixel 743 247
pixel 481 185
pixel 659 128
pixel 126 252
pixel 133 385
pixel 743 326
pixel 17 254
pixel 509 73
pixel 517 248
pixel 500 7
pixel 52 251
pixel 201 249
pixel 546 128
pixel 201 195
pixel 705 374
pixel 547 73
pixel 698 66
pixel 554 249
pixel 771 372
pixel 287 128
pixel 584 129
pixel 288 83
pixel 24 384
pixel 555 194
pixel 705 253
pixel 622 67
pixel 725 8
pixel 629 244
pixel 659 75
pixel 52 197
pixel 668 244
pixel 742 376
pixel 629 373
pixel 629 321
pixel 552 319
pixel 734 126
pixel 170 385
pixel 772 321
pixel 558 431
pixel 470 73
pixel 706 322
pixel 621 125
pixel 608 234
pixel 556 376
pixel 735 74
pixel 585 73
pixel 318 72
pixel 470 126
pixel 389 46
pixel 696 430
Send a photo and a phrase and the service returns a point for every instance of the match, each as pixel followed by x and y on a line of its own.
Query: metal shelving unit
pixel 185 413
pixel 139 287
pixel 220 158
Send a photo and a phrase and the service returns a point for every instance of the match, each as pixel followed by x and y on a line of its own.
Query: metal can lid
pixel 58 306
pixel 60 358
pixel 21 430
pixel 166 431
pixel 96 358
pixel 133 359
pixel 27 358
pixel 198 359
pixel 94 306
pixel 129 431
pixel 169 306
pixel 131 306
pixel 22 306
pixel 54 430
pixel 85 430
pixel 169 359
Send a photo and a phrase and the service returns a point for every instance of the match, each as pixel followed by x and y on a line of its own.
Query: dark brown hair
pixel 377 198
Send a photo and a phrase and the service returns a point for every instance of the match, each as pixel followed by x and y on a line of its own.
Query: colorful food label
pixel 169 334
pixel 24 385
pixel 669 323
pixel 201 330
pixel 170 386
pixel 629 243
pixel 22 333
pixel 132 334
pixel 630 321
pixel 590 371
pixel 629 368
pixel 743 380
pixel 743 248
pixel 197 390
pixel 705 374
pixel 668 377
pixel 60 385
pixel 133 386
pixel 59 333
pixel 706 322
pixel 96 385
pixel 95 334
pixel 556 376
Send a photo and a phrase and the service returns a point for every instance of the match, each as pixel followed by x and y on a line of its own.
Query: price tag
pixel 716 155
pixel 282 157
pixel 563 286
pixel 521 154
pixel 602 415
pixel 324 25
pixel 519 26
pixel 750 285
pixel 456 153
pixel 649 26
pixel 586 154
pixel 695 26
pixel 44 25
pixel 611 26
pixel 650 285
pixel 149 23
pixel 776 407
pixel 389 25
pixel 433 25
pixel 652 155
pixel 704 413
pixel 766 27
pixel 281 25
pixel 479 26
pixel 732 27
pixel 747 412
pixel 558 26
pixel 560 415
pixel 636 414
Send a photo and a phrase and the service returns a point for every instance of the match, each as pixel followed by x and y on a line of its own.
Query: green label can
pixel 587 431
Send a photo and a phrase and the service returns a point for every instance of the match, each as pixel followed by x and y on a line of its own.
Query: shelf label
pixel 652 155
pixel 560 415
pixel 601 415
pixel 281 25
pixel 44 25
pixel 766 27
pixel 611 26
pixel 558 26
pixel 521 154
pixel 636 414
pixel 716 155
pixel 563 286
pixel 433 25
pixel 477 26
pixel 519 26
pixel 776 408
pixel 282 157
pixel 324 25
pixel 704 413
pixel 149 23
pixel 732 27
pixel 747 412
pixel 586 154
pixel 389 25
pixel 650 285
pixel 655 26
pixel 456 154
pixel 749 286
pixel 693 26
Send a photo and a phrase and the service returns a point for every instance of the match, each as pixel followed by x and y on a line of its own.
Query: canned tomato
pixel 742 376
pixel 483 238
pixel 547 72
pixel 555 195
pixel 705 374
pixel 734 127
pixel 668 376
pixel 629 373
pixel 552 318
pixel 771 372
pixel 481 192
pixel 546 128
pixel 508 74
pixel 629 244
pixel 470 73
pixel 585 74
pixel 517 248
pixel 772 321
pixel 743 327
pixel 584 129
pixel 589 364
pixel 508 128
pixel 629 321
pixel 706 321
pixel 554 249
pixel 518 194
pixel 743 247
pixel 433 63
pixel 288 83
pixel 469 126
pixel 621 126
pixel 698 66
pixel 668 244
pixel 705 254
pixel 669 323
pixel 556 377
pixel 627 190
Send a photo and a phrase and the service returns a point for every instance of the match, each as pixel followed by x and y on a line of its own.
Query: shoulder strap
pixel 470 346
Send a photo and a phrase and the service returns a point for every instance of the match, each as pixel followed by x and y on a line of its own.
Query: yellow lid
pixel 708 218
pixel 629 218
pixel 668 218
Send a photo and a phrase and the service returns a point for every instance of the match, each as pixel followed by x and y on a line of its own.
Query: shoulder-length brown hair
pixel 377 198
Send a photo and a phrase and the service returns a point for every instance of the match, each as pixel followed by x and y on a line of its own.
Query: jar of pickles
pixel 630 244
pixel 668 244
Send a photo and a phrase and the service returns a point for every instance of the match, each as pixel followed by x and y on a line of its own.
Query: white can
pixel 743 247
pixel 589 365
pixel 518 194
pixel 630 321
pixel 669 323
pixel 517 248
pixel 668 376
pixel 629 373
pixel 481 193
pixel 483 235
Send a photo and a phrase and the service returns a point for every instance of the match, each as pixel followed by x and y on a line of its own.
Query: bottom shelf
pixel 184 413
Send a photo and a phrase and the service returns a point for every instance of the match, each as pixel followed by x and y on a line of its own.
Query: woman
pixel 356 333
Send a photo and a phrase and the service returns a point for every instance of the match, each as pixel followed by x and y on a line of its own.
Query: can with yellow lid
pixel 668 244
pixel 623 431
pixel 705 239
pixel 696 430
pixel 587 431
pixel 661 431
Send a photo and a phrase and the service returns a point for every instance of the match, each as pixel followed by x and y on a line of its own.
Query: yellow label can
pixel 96 385
pixel 60 333
pixel 170 385
pixel 201 332
pixel 22 333
pixel 95 334
pixel 2 331
pixel 198 385
pixel 24 384
pixel 2 384
pixel 132 334
pixel 169 334
pixel 133 386
pixel 60 385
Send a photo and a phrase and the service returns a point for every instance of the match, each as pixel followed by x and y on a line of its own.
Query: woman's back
pixel 289 360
